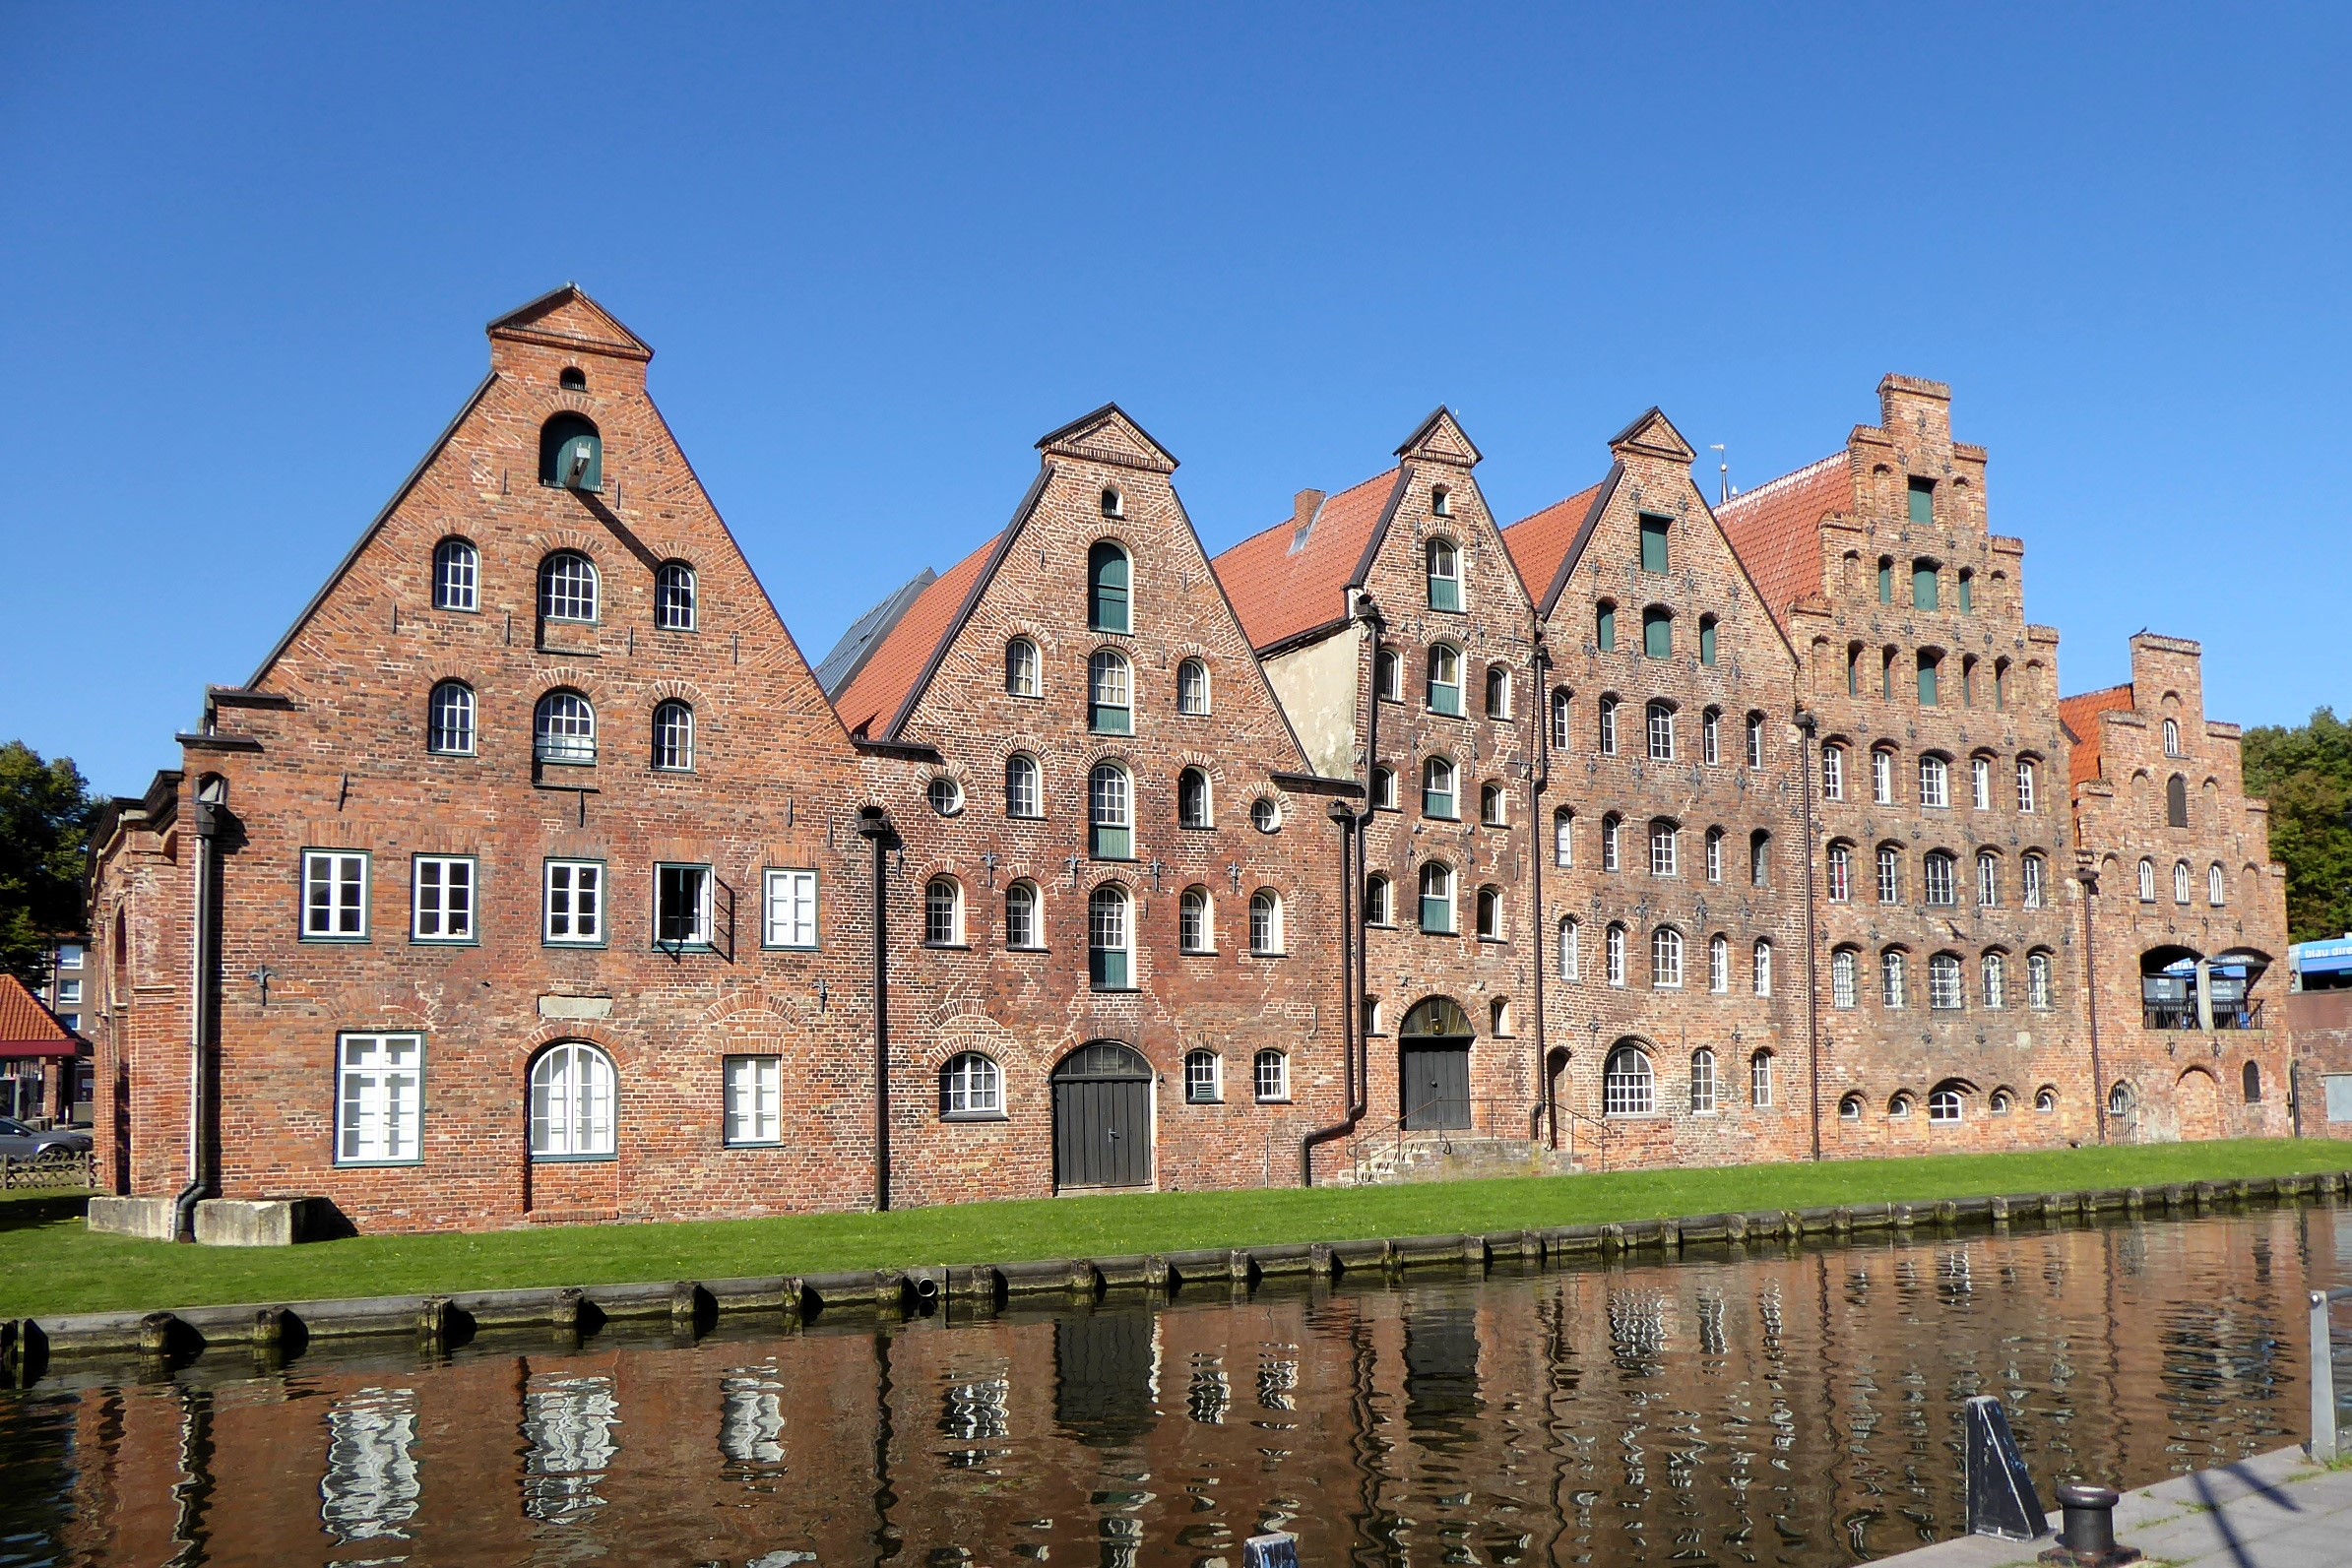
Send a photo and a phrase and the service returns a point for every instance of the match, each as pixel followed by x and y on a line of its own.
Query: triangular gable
pixel 1653 435
pixel 1109 435
pixel 1440 438
pixel 566 318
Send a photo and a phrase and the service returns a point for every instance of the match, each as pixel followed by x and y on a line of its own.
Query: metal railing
pixel 58 1170
pixel 2184 1015
pixel 1390 1137
pixel 2323 1375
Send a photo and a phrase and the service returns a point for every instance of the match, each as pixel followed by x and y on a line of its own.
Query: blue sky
pixel 246 256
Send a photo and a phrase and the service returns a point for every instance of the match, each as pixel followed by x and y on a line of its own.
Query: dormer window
pixel 571 455
pixel 573 379
pixel 1114 504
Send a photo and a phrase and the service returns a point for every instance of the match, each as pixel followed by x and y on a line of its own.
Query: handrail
pixel 2323 1375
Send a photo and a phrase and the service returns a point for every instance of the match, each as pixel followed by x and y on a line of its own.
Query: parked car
pixel 19 1141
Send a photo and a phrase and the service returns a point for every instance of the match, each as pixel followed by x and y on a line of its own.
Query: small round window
pixel 946 796
pixel 1264 814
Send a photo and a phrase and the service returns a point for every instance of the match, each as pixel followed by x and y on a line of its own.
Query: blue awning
pixel 2323 958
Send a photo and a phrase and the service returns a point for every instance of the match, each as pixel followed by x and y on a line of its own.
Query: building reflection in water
pixel 1768 1405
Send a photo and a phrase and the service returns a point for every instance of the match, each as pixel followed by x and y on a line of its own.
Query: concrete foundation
pixel 147 1219
pixel 261 1222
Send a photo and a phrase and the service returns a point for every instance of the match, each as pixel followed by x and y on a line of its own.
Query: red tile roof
pixel 1281 583
pixel 28 1028
pixel 1776 529
pixel 1541 543
pixel 2081 715
pixel 869 704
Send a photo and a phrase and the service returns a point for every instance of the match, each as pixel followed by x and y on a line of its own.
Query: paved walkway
pixel 2274 1511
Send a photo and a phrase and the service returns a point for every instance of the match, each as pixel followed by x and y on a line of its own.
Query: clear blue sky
pixel 246 256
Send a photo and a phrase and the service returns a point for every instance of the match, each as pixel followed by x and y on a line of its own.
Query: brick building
pixel 534 876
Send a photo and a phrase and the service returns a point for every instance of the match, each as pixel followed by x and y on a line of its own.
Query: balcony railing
pixel 2184 1015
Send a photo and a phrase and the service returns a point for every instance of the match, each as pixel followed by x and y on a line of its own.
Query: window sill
pixel 379 1165
pixel 582 945
pixel 334 941
pixel 445 941
pixel 682 949
pixel 787 947
pixel 1254 953
pixel 454 756
pixel 1273 1100
pixel 1426 931
pixel 1113 990
pixel 751 1143
pixel 948 947
pixel 1025 947
pixel 575 1160
pixel 966 1117
pixel 1196 952
pixel 1219 1100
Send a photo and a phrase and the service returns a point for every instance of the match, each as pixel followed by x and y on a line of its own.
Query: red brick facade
pixel 1094 791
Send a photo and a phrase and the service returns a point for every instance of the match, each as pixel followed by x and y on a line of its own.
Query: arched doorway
pixel 1433 1066
pixel 2200 1104
pixel 1103 1117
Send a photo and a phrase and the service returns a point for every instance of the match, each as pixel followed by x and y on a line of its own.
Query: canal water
pixel 1756 1405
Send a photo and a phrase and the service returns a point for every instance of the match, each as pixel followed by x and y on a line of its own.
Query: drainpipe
pixel 1808 725
pixel 2090 974
pixel 212 810
pixel 874 826
pixel 1547 1094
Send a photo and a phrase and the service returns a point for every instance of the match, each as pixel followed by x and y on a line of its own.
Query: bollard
pixel 2001 1500
pixel 1278 1550
pixel 432 1321
pixel 2087 1537
pixel 2322 1382
pixel 154 1334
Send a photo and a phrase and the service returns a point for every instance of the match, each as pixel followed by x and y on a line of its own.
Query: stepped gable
pixel 1292 579
pixel 1543 543
pixel 877 696
pixel 1776 528
pixel 2085 734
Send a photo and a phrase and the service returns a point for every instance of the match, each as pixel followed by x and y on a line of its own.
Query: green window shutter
pixel 1111 844
pixel 1886 583
pixel 1967 595
pixel 1435 916
pixel 1107 572
pixel 1923 500
pixel 1445 594
pixel 1105 720
pixel 1446 700
pixel 1653 544
pixel 1924 587
pixel 1657 634
pixel 1853 674
pixel 1927 685
pixel 1109 966
pixel 1706 641
pixel 1605 629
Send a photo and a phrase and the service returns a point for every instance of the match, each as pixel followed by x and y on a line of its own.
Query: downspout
pixel 2090 974
pixel 874 826
pixel 1808 725
pixel 1354 979
pixel 1539 700
pixel 212 796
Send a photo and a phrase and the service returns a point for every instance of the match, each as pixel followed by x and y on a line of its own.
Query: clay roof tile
pixel 1294 578
pixel 1776 528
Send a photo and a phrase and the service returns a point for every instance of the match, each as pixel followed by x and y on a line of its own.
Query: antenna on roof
pixel 1716 447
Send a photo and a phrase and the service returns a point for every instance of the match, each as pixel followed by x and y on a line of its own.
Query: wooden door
pixel 1103 1118
pixel 1435 1078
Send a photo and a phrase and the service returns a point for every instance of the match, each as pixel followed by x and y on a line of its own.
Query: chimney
pixel 1304 508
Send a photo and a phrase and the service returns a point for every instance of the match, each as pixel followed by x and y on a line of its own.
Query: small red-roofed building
pixel 37 1055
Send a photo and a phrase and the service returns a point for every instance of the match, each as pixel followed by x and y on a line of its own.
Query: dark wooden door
pixel 1435 1079
pixel 1103 1118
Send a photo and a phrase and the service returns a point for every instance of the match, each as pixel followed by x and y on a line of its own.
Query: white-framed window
pixel 1661 727
pixel 1759 1079
pixel 1379 901
pixel 1021 667
pixel 2037 981
pixel 683 898
pixel 572 1092
pixel 1882 776
pixel 1024 790
pixel 68 992
pixel 441 897
pixel 1995 970
pixel 1890 874
pixel 71 954
pixel 1384 789
pixel 1763 969
pixel 2025 783
pixel 944 793
pixel 1944 1106
pixel 1494 805
pixel 1940 879
pixel 380 1100
pixel 1438 898
pixel 1204 1077
pixel 1563 837
pixel 1842 986
pixel 1719 964
pixel 1608 726
pixel 673 596
pixel 449 719
pixel 1702 1081
pixel 2147 881
pixel 789 909
pixel 456 575
pixel 1988 879
pixel 573 907
pixel 1980 783
pixel 1196 920
pixel 1440 789
pixel 2217 886
pixel 1111 813
pixel 1895 991
pixel 1265 922
pixel 1833 772
pixel 1571 965
pixel 1111 961
pixel 944 913
pixel 564 728
pixel 1563 700
pixel 1840 873
pixel 2180 882
pixel 567 587
pixel 1710 737
pixel 1499 690
pixel 334 896
pixel 2030 881
pixel 1948 986
pixel 1272 1072
pixel 1665 848
pixel 1665 958
pixel 1714 855
pixel 1445 679
pixel 1850 1108
pixel 2172 737
pixel 1021 929
pixel 673 738
pixel 1755 740
pixel 1110 687
pixel 1193 687
pixel 1388 675
pixel 971 1084
pixel 754 1106
pixel 1759 859
pixel 1935 783
pixel 1490 914
pixel 1445 575
pixel 1613 954
pixel 1612 842
pixel 1627 1087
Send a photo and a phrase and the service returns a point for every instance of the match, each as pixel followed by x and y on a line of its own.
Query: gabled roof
pixel 865 634
pixel 1776 529
pixel 28 1028
pixel 1109 435
pixel 1545 544
pixel 876 698
pixel 1655 434
pixel 2079 717
pixel 566 318
pixel 1293 578
pixel 1442 438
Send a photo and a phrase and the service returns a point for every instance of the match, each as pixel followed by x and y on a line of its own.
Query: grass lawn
pixel 51 1264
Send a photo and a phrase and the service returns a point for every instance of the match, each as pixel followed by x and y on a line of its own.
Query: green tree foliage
pixel 2307 774
pixel 44 833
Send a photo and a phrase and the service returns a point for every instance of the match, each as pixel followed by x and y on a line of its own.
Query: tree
pixel 2307 774
pixel 45 835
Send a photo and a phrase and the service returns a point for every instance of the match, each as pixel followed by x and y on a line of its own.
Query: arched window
pixel 1604 627
pixel 2147 881
pixel 1562 701
pixel 2119 1099
pixel 564 728
pixel 1665 958
pixel 1980 783
pixel 1446 574
pixel 1839 873
pixel 1665 848
pixel 1021 915
pixel 1710 736
pixel 571 455
pixel 1883 776
pixel 2027 776
pixel 1196 920
pixel 2250 1082
pixel 1898 1106
pixel 456 575
pixel 1850 1108
pixel 1109 961
pixel 1108 607
pixel 1114 504
pixel 449 721
pixel 1499 691
pixel 1438 898
pixel 1940 878
pixel 2175 801
pixel 2030 881
pixel 2215 886
pixel 1967 591
pixel 673 738
pixel 1719 964
pixel 1947 984
pixel 1109 690
pixel 1265 922
pixel 1441 501
pixel 1706 640
pixel 1931 669
pixel 1563 837
pixel 1833 772
pixel 1714 855
pixel 1271 1071
pixel 2172 737
pixel 1490 914
pixel 1379 901
pixel 2045 1099
pixel 1755 740
pixel 971 1084
pixel 567 587
pixel 1607 735
pixel 1661 727
pixel 1612 839
pixel 1890 874
pixel 1021 667
pixel 1023 790
pixel 1895 990
pixel 1658 632
pixel 1934 782
pixel 1842 986
pixel 2180 882
pixel 1384 789
pixel 573 1088
pixel 1494 805
pixel 1571 965
pixel 1388 675
pixel 1445 679
pixel 1627 1088
pixel 573 379
pixel 1193 687
pixel 1612 954
pixel 2037 980
pixel 1945 1102
pixel 1702 1081
pixel 1763 969
pixel 1193 798
pixel 1439 789
pixel 2001 1101
pixel 1996 968
pixel 1759 1079
pixel 1759 859
pixel 1264 814
pixel 1204 1077
pixel 1498 1018
pixel 673 596
pixel 1111 815
pixel 944 913
pixel 1988 879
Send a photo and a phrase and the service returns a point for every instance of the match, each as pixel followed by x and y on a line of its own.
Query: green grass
pixel 49 1263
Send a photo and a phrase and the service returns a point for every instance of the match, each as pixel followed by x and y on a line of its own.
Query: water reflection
pixel 1767 1405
